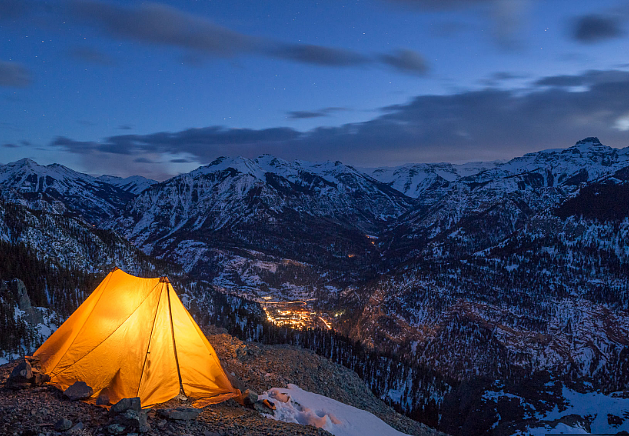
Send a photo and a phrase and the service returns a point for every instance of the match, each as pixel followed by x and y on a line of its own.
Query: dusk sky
pixel 130 87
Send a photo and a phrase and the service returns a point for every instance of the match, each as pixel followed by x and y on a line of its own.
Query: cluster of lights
pixel 294 314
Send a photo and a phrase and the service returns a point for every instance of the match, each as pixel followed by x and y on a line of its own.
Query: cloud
pixel 588 78
pixel 143 160
pixel 125 127
pixel 317 55
pixel 301 115
pixel 594 28
pixel 507 15
pixel 500 77
pixel 406 61
pixel 441 4
pixel 90 56
pixel 13 74
pixel 10 145
pixel 162 25
pixel 486 124
pixel 11 9
pixel 155 23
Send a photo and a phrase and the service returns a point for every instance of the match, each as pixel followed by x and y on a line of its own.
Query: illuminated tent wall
pixel 134 337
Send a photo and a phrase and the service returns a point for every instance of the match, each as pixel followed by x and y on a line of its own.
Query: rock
pixel 261 408
pixel 249 398
pixel 23 369
pixel 116 429
pixel 180 413
pixel 40 378
pixel 63 424
pixel 78 391
pixel 131 419
pixel 126 404
pixel 76 428
pixel 21 376
pixel 103 399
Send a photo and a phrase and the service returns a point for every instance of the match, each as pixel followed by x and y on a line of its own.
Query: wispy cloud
pixel 406 61
pixel 300 115
pixel 594 28
pixel 507 15
pixel 91 56
pixel 162 25
pixel 13 74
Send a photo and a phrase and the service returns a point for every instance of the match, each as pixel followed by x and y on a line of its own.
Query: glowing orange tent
pixel 134 337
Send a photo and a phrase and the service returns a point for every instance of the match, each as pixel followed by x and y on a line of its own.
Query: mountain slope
pixel 132 184
pixel 58 189
pixel 426 179
pixel 314 214
pixel 492 204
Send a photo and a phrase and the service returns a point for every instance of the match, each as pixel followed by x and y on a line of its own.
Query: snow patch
pixel 295 405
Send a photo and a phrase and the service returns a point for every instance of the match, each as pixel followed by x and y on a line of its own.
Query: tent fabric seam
pixel 172 329
pixel 146 355
pixel 53 374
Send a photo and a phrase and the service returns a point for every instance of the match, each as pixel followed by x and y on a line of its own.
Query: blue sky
pixel 129 87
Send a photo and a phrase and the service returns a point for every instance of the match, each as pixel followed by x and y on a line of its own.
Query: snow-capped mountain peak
pixel 132 184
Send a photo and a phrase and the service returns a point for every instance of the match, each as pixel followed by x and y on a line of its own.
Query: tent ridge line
pixel 52 371
pixel 172 330
pixel 148 346
pixel 108 336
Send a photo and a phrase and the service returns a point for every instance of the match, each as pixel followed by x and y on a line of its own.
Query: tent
pixel 134 338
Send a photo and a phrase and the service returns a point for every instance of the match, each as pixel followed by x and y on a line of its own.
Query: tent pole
pixel 172 329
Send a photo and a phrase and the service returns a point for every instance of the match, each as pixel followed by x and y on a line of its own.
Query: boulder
pixel 76 428
pixel 128 413
pixel 133 421
pixel 180 413
pixel 102 399
pixel 126 404
pixel 261 408
pixel 21 376
pixel 39 378
pixel 116 429
pixel 78 391
pixel 249 398
pixel 23 370
pixel 63 424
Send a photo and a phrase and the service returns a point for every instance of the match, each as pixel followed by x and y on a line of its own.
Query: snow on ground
pixel 293 404
pixel 593 404
pixel 559 429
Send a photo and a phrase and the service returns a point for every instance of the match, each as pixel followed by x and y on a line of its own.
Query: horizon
pixel 361 169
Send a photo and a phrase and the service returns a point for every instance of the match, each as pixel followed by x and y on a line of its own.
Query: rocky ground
pixel 38 411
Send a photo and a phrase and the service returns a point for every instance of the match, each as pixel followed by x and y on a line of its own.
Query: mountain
pixel 300 216
pixel 69 243
pixel 132 184
pixel 422 179
pixel 60 190
pixel 515 274
pixel 486 207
